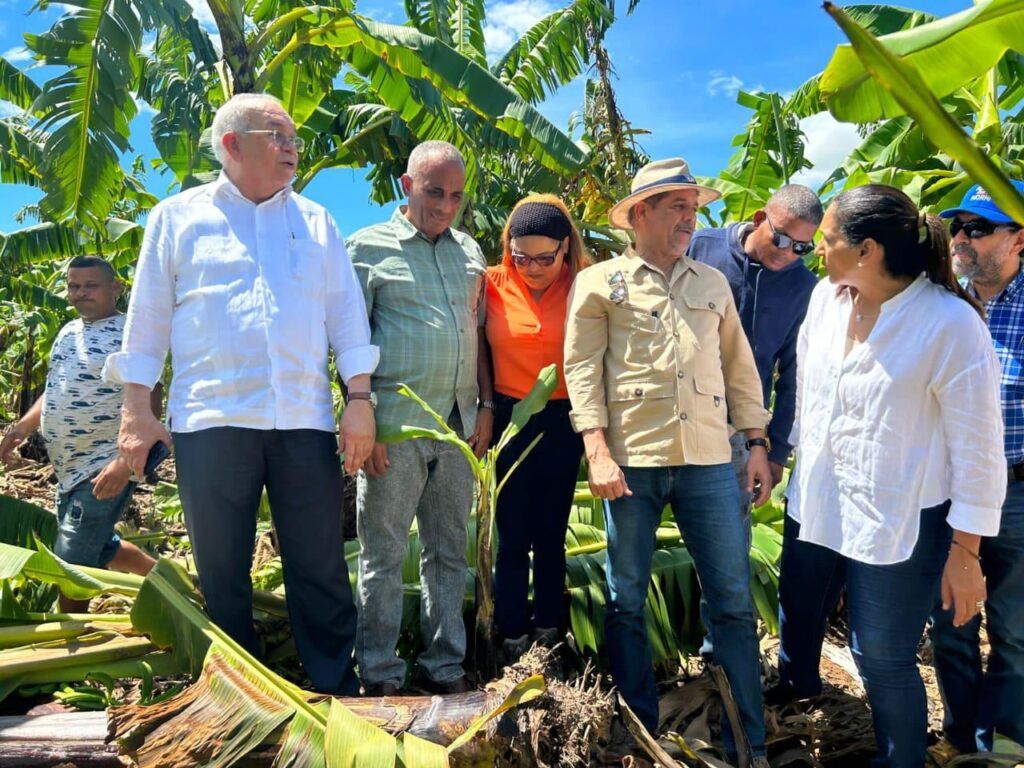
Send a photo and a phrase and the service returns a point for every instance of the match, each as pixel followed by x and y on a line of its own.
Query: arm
pixel 967 390
pixel 785 404
pixel 348 331
pixel 586 341
pixel 147 338
pixel 21 431
pixel 745 399
pixel 480 440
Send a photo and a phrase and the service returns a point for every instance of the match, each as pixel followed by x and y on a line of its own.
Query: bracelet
pixel 966 549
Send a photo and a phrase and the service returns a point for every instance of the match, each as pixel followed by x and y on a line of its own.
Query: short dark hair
pixel 86 262
pixel 800 201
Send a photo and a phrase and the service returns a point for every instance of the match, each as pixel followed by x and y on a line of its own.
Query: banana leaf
pixel 904 83
pixel 946 54
pixel 20 522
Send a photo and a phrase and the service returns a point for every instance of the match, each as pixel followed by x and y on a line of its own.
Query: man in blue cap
pixel 987 246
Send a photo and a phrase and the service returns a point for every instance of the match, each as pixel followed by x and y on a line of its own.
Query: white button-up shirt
pixel 909 419
pixel 247 298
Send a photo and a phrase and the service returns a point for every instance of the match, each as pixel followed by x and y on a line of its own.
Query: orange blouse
pixel 525 335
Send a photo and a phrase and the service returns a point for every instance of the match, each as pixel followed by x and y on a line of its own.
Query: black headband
pixel 539 219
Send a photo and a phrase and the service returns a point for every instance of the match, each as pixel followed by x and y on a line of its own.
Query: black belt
pixel 1015 473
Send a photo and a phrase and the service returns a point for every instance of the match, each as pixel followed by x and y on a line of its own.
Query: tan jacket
pixel 656 361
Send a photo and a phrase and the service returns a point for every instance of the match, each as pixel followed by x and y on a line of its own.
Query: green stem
pixel 278 24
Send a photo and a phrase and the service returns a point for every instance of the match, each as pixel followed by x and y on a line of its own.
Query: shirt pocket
pixel 641 416
pixel 218 262
pixel 306 267
pixel 703 315
pixel 640 334
pixel 710 407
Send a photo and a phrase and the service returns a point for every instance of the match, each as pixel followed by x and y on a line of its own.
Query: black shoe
pixel 376 690
pixel 460 684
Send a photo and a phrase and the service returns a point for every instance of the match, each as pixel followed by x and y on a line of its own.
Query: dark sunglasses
pixel 976 228
pixel 543 260
pixel 783 241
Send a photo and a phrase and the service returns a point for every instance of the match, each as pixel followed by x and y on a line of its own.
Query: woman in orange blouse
pixel 527 298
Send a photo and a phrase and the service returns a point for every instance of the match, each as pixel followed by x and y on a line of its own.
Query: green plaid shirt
pixel 425 302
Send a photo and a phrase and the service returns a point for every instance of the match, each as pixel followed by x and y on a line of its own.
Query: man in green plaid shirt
pixel 423 285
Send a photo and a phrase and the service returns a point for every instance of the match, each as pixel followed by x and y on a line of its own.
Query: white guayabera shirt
pixel 909 419
pixel 247 298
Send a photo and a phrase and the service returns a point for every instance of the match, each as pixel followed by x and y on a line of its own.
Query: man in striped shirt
pixel 987 246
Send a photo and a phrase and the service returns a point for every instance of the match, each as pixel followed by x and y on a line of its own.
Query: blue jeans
pixel 85 525
pixel 888 607
pixel 706 508
pixel 977 704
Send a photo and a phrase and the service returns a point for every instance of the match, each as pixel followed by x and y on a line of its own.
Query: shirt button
pixel 675 334
pixel 679 375
pixel 682 416
pixel 672 296
pixel 711 305
pixel 637 392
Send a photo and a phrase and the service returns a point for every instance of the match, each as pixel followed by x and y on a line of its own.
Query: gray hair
pixel 234 116
pixel 433 151
pixel 799 201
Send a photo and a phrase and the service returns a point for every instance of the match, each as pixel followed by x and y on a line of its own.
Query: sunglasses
pixel 976 228
pixel 542 260
pixel 783 241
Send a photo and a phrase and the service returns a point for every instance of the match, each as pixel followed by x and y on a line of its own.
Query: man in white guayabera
pixel 248 284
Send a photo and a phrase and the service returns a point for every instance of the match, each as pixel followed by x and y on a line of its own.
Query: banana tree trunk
pixel 484 654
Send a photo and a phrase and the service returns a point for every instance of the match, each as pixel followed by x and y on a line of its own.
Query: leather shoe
pixel 376 690
pixel 460 684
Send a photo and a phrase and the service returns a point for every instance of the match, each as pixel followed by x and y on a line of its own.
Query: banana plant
pixel 488 489
pixel 904 84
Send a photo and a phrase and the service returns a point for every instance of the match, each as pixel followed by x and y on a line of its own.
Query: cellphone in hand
pixel 156 456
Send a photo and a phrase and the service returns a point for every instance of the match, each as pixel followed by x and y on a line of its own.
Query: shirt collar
pixel 224 185
pixel 634 263
pixel 405 230
pixel 1008 293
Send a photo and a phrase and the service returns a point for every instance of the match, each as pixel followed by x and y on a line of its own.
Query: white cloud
pixel 201 10
pixel 508 20
pixel 721 83
pixel 828 144
pixel 18 55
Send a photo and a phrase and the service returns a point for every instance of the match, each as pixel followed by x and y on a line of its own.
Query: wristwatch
pixel 488 404
pixel 370 396
pixel 764 442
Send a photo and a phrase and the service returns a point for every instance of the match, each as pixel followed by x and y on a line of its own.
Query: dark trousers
pixel 977 703
pixel 221 475
pixel 532 515
pixel 888 607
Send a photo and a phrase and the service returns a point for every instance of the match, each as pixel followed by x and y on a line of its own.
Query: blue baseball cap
pixel 980 203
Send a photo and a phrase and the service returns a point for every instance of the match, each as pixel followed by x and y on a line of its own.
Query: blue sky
pixel 679 64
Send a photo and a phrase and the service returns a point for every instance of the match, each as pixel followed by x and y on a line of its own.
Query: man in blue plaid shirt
pixel 987 246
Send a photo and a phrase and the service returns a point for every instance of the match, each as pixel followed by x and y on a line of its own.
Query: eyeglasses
pixel 543 260
pixel 782 240
pixel 283 141
pixel 976 228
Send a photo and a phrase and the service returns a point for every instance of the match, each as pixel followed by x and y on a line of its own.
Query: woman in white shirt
pixel 899 458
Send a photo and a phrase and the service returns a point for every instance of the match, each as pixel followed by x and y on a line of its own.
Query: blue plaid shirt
pixel 1006 323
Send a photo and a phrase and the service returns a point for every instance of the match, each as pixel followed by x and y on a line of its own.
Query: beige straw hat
pixel 655 178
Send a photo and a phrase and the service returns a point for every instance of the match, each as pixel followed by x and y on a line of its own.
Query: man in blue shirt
pixel 987 246
pixel 762 260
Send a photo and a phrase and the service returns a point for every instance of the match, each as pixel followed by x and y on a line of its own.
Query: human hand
pixel 776 470
pixel 377 463
pixel 606 478
pixel 759 475
pixel 358 431
pixel 480 440
pixel 963 585
pixel 140 431
pixel 112 479
pixel 15 436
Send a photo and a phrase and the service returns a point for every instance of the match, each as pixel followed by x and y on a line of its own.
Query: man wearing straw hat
pixel 657 364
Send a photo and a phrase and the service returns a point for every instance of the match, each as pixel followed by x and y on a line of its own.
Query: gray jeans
pixel 432 482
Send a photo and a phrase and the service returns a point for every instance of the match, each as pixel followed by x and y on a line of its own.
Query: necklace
pixel 859 317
